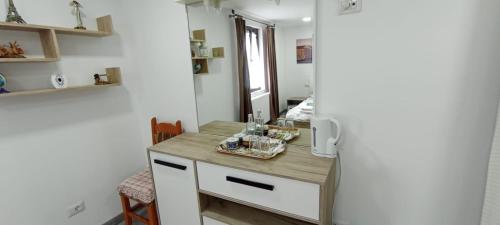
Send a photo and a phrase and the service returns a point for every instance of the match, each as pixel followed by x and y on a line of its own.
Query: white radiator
pixel 491 210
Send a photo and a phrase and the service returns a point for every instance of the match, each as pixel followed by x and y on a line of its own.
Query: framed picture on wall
pixel 304 51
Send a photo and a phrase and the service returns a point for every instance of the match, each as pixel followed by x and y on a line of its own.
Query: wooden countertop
pixel 228 129
pixel 296 162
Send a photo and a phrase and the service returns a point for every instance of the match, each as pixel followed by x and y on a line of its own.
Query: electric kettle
pixel 325 134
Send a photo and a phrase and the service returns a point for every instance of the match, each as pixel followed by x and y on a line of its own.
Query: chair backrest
pixel 164 131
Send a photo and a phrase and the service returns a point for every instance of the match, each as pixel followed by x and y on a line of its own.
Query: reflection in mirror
pixel 251 56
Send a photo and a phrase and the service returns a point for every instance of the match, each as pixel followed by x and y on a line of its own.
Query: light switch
pixel 350 6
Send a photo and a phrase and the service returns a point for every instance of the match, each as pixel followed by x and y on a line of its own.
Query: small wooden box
pixel 218 52
pixel 199 35
pixel 114 75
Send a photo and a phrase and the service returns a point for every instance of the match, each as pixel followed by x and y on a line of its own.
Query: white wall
pixel 217 91
pixel 294 80
pixel 491 208
pixel 160 57
pixel 416 85
pixel 60 148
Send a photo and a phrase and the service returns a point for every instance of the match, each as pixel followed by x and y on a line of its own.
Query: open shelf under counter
pixel 233 213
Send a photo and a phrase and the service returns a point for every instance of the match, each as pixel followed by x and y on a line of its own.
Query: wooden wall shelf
pixel 189 2
pixel 114 74
pixel 48 37
pixel 104 25
pixel 199 36
pixel 53 90
pixel 27 60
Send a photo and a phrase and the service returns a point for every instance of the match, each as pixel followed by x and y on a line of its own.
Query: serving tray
pixel 284 133
pixel 253 153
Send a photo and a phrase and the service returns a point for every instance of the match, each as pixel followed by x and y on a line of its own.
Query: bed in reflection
pixel 302 113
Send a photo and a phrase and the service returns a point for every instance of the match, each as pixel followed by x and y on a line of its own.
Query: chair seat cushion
pixel 139 187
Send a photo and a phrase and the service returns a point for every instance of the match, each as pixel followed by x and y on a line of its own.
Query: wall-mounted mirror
pixel 251 56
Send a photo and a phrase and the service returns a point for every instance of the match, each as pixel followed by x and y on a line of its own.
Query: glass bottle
pixel 250 125
pixel 259 123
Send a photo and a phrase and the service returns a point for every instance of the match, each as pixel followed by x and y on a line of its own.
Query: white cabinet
pixel 175 184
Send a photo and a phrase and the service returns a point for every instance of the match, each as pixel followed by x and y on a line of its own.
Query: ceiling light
pixel 307 19
pixel 212 4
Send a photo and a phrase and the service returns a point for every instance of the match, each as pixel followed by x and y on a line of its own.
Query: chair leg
pixel 126 210
pixel 153 217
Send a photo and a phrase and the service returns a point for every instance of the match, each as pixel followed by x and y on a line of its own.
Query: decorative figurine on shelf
pixel 11 51
pixel 59 81
pixel 13 16
pixel 196 68
pixel 98 81
pixel 76 11
pixel 3 84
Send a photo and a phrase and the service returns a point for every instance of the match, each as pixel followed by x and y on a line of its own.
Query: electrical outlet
pixel 350 6
pixel 76 208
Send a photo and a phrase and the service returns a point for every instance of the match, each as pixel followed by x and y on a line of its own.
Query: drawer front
pixel 286 195
pixel 176 193
pixel 209 221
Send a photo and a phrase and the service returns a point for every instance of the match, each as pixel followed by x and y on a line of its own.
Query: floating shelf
pixel 53 90
pixel 202 57
pixel 27 60
pixel 48 37
pixel 199 36
pixel 207 57
pixel 189 2
pixel 104 25
pixel 114 76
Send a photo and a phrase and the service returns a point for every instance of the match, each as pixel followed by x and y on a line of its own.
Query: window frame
pixel 260 46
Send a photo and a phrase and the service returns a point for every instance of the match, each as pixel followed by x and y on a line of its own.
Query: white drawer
pixel 286 195
pixel 209 221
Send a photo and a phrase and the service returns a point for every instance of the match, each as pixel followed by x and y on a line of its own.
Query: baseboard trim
pixel 115 220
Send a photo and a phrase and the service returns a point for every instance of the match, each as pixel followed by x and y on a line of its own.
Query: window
pixel 255 56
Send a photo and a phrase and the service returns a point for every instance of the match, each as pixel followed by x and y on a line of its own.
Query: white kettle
pixel 324 143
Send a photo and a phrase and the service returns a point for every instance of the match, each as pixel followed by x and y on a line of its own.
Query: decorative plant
pixel 3 52
pixel 11 51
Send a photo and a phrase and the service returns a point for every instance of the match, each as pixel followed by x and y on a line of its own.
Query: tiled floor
pixel 135 223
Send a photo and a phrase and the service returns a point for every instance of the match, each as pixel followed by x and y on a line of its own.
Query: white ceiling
pixel 287 13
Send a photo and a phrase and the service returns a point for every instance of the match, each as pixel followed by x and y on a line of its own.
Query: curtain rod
pixel 234 14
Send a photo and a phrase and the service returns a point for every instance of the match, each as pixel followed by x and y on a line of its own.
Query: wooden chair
pixel 164 131
pixel 140 186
